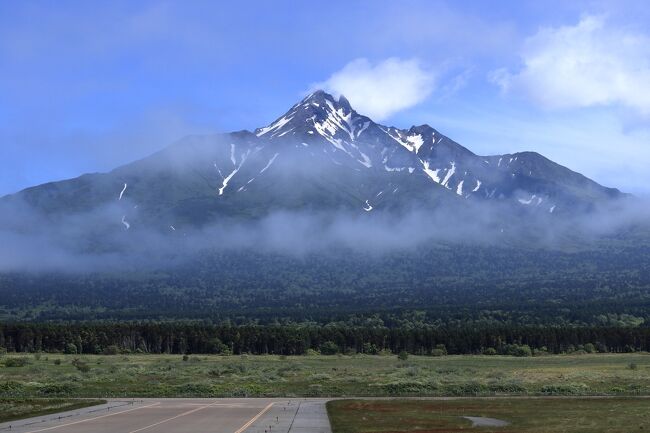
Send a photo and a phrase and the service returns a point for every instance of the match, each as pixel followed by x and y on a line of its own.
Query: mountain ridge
pixel 320 155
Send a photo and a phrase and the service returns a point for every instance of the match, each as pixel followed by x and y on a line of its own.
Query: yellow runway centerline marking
pixel 92 419
pixel 262 412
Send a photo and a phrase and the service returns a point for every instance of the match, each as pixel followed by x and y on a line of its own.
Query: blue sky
pixel 86 86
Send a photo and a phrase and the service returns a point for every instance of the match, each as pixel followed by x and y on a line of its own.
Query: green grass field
pixel 18 408
pixel 97 376
pixel 524 415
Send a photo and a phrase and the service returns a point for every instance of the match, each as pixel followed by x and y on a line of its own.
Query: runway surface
pixel 185 416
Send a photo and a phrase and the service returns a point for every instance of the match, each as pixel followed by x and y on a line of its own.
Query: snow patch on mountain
pixel 396 135
pixel 433 174
pixel 363 128
pixel 416 142
pixel 268 164
pixel 533 200
pixel 122 192
pixel 450 172
pixel 365 160
pixel 232 173
pixel 274 126
pixel 232 154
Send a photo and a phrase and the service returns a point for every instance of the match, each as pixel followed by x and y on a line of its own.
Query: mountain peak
pixel 321 97
pixel 317 96
pixel 319 112
pixel 422 129
pixel 344 103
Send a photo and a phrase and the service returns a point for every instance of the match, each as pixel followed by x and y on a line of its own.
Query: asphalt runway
pixel 185 416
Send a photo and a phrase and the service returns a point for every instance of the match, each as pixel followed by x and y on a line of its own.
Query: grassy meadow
pixel 18 408
pixel 96 376
pixel 524 415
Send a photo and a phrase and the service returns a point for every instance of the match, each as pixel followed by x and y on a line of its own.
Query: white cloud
pixel 589 64
pixel 383 89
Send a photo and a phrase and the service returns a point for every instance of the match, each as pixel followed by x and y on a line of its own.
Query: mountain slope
pixel 321 155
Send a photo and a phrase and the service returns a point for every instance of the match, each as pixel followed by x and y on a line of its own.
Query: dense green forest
pixel 604 285
pixel 465 298
pixel 184 338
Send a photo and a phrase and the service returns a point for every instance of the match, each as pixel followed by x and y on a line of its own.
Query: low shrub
pixel 11 389
pixel 16 362
pixel 412 372
pixel 80 365
pixel 111 350
pixel 448 370
pixel 520 350
pixel 507 388
pixel 440 350
pixel 467 389
pixel 405 387
pixel 194 390
pixel 329 348
pixel 370 349
pixel 590 348
pixel 214 372
pixel 320 377
pixel 566 389
pixel 235 369
pixel 56 389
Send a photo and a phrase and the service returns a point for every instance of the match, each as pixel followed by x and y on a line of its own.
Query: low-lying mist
pixel 94 242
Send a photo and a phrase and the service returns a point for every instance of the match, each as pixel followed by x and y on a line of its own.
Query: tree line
pixel 194 338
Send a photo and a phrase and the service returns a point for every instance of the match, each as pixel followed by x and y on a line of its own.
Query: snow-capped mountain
pixel 321 154
pixel 527 177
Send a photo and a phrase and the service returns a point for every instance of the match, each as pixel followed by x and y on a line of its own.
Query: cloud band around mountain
pixel 382 89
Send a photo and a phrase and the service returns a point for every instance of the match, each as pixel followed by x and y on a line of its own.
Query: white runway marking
pixel 92 419
pixel 172 418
